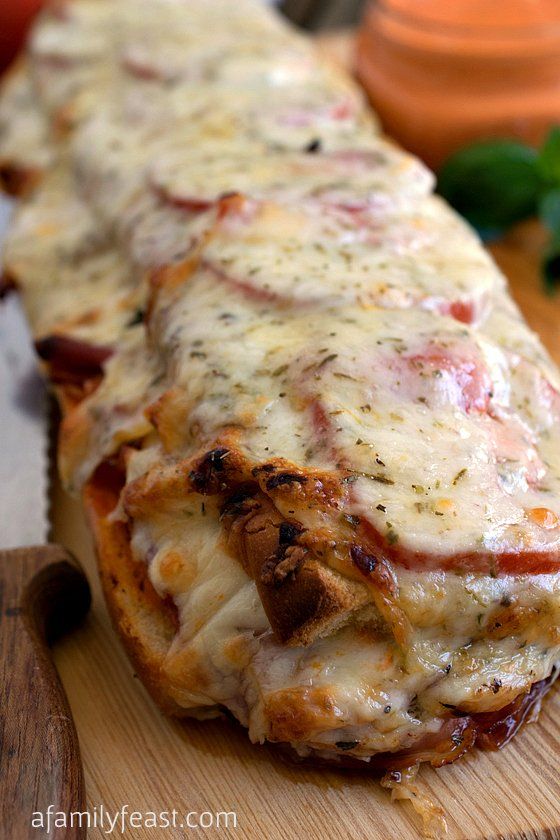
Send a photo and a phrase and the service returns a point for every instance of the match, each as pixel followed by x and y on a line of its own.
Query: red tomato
pixel 15 18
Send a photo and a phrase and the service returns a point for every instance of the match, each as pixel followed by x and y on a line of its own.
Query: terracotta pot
pixel 441 75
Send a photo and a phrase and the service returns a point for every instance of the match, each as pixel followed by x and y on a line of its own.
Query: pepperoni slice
pixel 71 360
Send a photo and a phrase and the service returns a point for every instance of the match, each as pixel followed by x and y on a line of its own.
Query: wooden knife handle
pixel 43 593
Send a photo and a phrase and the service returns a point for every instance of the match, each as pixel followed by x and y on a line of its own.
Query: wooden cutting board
pixel 134 756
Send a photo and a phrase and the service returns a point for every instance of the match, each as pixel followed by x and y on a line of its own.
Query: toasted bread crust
pixel 303 598
pixel 145 622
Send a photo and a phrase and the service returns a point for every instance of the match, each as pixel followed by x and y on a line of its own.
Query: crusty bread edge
pixel 139 615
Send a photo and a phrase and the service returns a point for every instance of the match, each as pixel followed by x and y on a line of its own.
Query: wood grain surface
pixel 135 756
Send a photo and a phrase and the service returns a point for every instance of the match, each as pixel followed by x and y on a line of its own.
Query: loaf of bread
pixel 318 445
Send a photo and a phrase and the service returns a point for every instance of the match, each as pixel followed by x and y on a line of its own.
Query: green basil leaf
pixel 493 184
pixel 551 263
pixel 548 161
pixel 549 210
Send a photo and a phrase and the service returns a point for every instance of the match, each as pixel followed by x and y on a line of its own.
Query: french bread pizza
pixel 318 445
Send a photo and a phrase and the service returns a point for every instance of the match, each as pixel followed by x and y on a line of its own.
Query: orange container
pixel 442 74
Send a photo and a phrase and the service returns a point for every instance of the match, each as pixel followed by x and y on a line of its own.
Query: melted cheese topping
pixel 356 685
pixel 24 131
pixel 352 386
pixel 306 297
